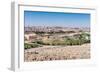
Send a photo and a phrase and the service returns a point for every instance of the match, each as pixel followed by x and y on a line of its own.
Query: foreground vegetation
pixel 75 40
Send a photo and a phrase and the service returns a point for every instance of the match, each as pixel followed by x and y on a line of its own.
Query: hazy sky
pixel 36 18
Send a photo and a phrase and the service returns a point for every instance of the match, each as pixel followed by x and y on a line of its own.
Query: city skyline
pixel 61 19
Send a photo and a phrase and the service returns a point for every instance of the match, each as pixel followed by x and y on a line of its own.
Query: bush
pixel 40 42
pixel 73 41
pixel 84 39
pixel 32 45
pixel 78 40
pixel 27 46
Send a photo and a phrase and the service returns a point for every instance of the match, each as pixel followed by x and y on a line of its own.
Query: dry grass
pixel 57 53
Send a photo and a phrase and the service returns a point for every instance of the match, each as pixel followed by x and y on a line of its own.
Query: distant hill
pixel 54 29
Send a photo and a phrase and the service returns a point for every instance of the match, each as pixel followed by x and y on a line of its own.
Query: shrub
pixel 72 41
pixel 27 46
pixel 34 45
pixel 31 45
pixel 39 42
pixel 85 38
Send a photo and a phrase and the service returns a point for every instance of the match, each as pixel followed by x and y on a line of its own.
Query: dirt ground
pixel 47 53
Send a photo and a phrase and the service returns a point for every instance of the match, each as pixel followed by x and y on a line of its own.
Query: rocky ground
pixel 47 53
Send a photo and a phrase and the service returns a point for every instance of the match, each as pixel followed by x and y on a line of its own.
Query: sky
pixel 37 18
